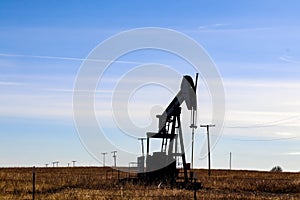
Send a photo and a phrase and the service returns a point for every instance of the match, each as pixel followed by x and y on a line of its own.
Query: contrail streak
pixel 68 58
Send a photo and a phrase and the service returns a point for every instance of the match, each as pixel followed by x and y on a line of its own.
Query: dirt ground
pixel 102 183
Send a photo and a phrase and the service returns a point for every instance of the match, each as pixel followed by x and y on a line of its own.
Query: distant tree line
pixel 276 169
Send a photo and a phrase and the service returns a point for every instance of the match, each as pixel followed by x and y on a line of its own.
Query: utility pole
pixel 207 126
pixel 115 157
pixel 142 142
pixel 33 182
pixel 193 127
pixel 74 161
pixel 230 160
pixel 103 154
pixel 193 121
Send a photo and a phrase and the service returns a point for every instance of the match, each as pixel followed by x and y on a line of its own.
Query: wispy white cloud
pixel 9 83
pixel 262 108
pixel 289 59
pixel 212 26
pixel 36 106
pixel 67 58
pixel 249 102
pixel 226 27
pixel 295 153
pixel 284 134
pixel 258 84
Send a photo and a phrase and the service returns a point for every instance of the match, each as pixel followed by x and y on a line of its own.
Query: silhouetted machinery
pixel 161 166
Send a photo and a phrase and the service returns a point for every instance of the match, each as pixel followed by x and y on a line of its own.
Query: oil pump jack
pixel 161 166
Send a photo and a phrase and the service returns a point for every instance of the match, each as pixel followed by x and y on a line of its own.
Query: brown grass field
pixel 100 183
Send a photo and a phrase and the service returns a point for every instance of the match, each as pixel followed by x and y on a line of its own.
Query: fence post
pixel 195 185
pixel 33 182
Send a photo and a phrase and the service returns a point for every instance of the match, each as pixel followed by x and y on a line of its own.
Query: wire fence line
pixel 98 183
pixel 106 184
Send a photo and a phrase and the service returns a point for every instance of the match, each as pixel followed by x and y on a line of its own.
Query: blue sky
pixel 254 44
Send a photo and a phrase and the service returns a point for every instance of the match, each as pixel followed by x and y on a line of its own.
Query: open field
pixel 100 183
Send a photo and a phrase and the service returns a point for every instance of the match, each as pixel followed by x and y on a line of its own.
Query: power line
pixel 264 125
pixel 255 140
pixel 264 140
pixel 267 124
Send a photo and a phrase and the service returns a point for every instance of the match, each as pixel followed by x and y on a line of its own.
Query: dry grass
pixel 94 183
